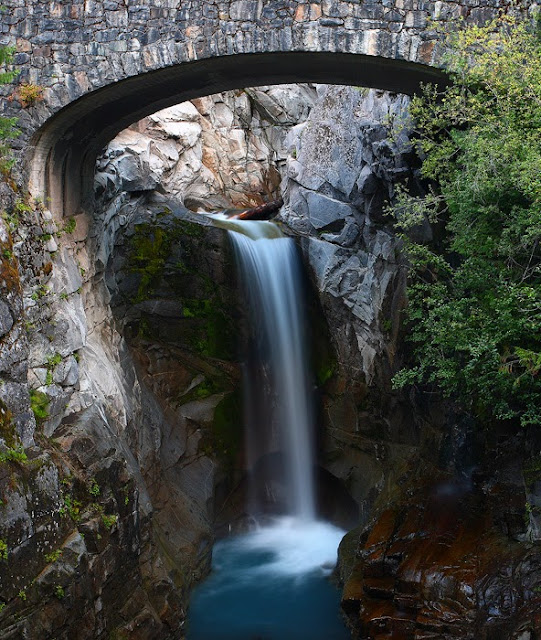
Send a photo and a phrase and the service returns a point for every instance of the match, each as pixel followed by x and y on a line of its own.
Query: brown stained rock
pixel 426 51
pixel 437 566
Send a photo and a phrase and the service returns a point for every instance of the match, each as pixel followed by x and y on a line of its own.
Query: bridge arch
pixel 64 149
pixel 103 64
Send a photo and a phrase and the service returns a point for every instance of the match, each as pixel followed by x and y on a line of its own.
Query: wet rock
pixel 435 564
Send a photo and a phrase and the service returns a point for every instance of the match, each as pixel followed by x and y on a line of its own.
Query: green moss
pixel 325 371
pixel 53 556
pixel 53 361
pixel 94 488
pixel 39 403
pixel 225 438
pixel 149 250
pixel 211 334
pixel 186 228
pixel 194 308
pixel 214 382
pixel 16 454
pixel 69 225
pixel 176 255
pixel 71 507
pixel 205 389
pixel 7 426
pixel 109 520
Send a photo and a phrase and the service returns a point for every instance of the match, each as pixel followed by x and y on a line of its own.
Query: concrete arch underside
pixel 63 151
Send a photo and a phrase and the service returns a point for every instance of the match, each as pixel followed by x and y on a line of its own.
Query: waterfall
pixel 271 582
pixel 271 274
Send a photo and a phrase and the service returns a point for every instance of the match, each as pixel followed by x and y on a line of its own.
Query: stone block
pixel 323 211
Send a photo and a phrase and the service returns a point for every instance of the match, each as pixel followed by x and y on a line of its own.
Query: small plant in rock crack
pixel 53 556
pixel 3 550
pixel 94 488
pixel 28 94
pixel 109 520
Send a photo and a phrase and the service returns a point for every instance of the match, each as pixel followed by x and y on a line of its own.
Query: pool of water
pixel 271 584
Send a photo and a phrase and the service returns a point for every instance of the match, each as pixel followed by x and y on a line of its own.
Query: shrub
pixel 475 292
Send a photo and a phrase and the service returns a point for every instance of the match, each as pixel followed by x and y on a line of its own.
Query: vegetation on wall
pixel 8 126
pixel 474 316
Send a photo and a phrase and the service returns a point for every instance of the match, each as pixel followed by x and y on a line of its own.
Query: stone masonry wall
pixel 73 48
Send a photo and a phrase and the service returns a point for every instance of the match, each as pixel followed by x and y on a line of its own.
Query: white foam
pixel 298 547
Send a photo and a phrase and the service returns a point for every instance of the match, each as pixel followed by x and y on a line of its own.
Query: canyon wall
pixel 119 356
pixel 114 331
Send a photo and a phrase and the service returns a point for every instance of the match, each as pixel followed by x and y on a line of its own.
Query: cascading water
pixel 269 267
pixel 271 583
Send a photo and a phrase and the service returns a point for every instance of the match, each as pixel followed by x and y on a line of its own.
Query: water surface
pixel 271 584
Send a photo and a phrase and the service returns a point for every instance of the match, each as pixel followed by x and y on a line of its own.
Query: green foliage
pixel 15 454
pixel 6 56
pixel 53 361
pixel 40 292
pixel 69 225
pixel 53 556
pixel 59 592
pixel 3 550
pixel 94 488
pixel 109 520
pixel 474 295
pixel 8 126
pixel 39 402
pixel 71 507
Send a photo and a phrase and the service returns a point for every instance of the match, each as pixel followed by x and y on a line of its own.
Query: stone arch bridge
pixel 104 64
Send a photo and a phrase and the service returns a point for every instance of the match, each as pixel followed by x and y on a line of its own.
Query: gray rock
pixel 324 211
pixel 321 256
pixel 67 372
pixel 66 278
pixel 16 397
pixel 58 402
pixel 347 237
pixel 135 174
pixel 6 319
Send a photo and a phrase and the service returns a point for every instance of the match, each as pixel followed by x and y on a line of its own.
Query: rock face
pixel 80 558
pixel 119 331
pixel 340 174
pixel 217 152
pixel 448 556
pixel 444 547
